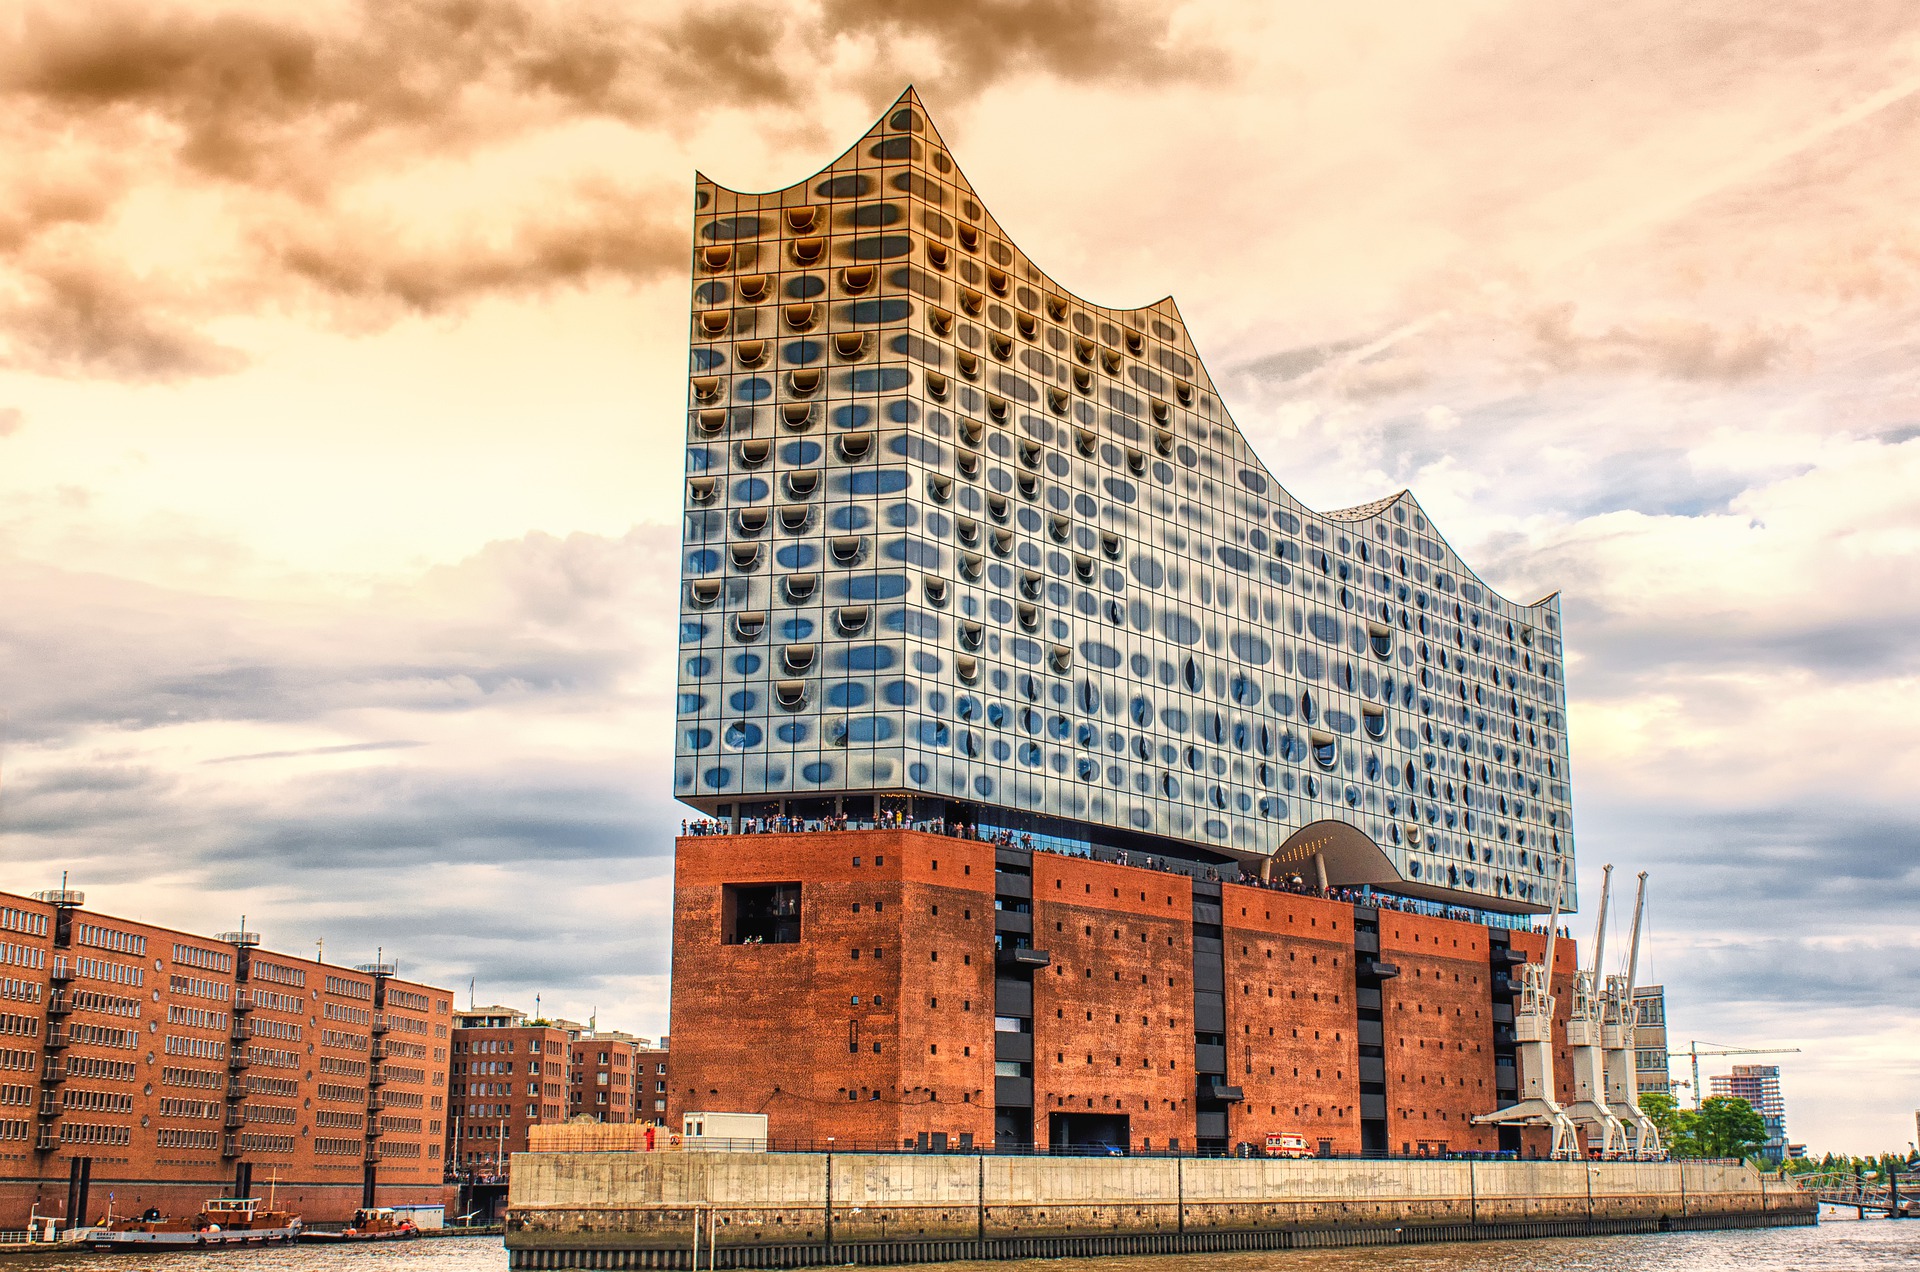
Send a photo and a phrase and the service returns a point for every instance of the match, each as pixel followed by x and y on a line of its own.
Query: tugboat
pixel 373 1223
pixel 223 1223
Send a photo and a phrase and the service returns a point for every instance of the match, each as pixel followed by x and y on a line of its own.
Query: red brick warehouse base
pixel 891 988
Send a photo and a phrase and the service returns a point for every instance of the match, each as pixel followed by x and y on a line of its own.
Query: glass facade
pixel 957 538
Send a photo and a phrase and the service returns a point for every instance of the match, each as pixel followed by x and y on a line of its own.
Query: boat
pixel 223 1223
pixel 372 1223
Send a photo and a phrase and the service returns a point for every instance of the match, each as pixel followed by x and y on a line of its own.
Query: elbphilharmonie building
pixel 960 544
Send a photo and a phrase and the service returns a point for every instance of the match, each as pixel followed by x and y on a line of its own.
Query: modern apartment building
pixel 1758 1085
pixel 965 551
pixel 510 1072
pixel 155 1067
pixel 1650 1040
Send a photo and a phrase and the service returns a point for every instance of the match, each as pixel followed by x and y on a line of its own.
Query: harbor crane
pixel 1585 1028
pixel 1694 1051
pixel 1533 1035
pixel 1620 1017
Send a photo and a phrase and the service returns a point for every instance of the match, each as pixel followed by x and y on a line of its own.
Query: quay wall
pixel 619 1210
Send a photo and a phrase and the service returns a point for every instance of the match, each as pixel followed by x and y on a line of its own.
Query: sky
pixel 342 357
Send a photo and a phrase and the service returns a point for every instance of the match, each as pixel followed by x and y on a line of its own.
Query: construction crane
pixel 1694 1051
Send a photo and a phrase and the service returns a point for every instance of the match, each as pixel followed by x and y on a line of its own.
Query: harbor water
pixel 1837 1245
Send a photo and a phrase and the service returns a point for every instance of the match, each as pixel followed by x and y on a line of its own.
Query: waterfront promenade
pixel 642 1210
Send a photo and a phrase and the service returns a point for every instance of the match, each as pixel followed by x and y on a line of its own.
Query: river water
pixel 1837 1245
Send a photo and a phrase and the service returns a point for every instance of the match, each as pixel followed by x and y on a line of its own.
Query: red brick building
pixel 617 1077
pixel 162 1068
pixel 510 1072
pixel 893 988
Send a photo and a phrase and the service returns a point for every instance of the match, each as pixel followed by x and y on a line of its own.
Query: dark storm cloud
pixel 507 873
pixel 252 96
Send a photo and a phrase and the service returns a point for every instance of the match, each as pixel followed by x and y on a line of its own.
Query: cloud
pixel 12 420
pixel 419 739
pixel 540 618
pixel 351 748
pixel 293 127
pixel 1077 41
pixel 1683 349
pixel 83 320
pixel 598 233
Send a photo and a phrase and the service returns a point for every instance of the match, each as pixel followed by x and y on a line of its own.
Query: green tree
pixel 1673 1122
pixel 1726 1126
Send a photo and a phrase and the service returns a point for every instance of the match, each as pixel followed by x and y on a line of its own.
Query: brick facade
pixel 509 1073
pixel 835 1034
pixel 873 1021
pixel 617 1077
pixel 1113 1014
pixel 1439 1045
pixel 174 1067
pixel 1290 1012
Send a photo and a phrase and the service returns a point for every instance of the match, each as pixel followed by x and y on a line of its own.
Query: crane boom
pixel 1600 923
pixel 1633 942
pixel 1553 930
pixel 1694 1051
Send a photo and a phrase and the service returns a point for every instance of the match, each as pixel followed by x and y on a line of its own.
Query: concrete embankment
pixel 641 1210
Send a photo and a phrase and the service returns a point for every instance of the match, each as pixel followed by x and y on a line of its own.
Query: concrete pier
pixel 641 1210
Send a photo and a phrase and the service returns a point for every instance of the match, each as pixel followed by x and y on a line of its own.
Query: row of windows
pixel 168 1137
pixel 199 987
pixel 92 1000
pixel 195 1048
pixel 102 1036
pixel 95 1067
pixel 15 954
pixel 30 922
pixel 275 974
pixel 204 959
pixel 207 1110
pixel 102 969
pixel 107 938
pixel 196 1017
pixel 96 1101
